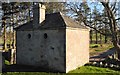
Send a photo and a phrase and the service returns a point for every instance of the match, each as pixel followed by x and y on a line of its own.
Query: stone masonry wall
pixel 43 48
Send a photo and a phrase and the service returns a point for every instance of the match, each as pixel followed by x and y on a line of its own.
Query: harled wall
pixel 77 48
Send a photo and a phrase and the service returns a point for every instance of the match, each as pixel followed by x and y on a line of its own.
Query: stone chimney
pixel 38 14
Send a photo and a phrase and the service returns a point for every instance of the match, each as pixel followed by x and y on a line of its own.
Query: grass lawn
pixel 93 69
pixel 97 48
pixel 82 70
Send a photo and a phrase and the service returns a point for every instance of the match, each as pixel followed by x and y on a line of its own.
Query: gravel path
pixel 102 56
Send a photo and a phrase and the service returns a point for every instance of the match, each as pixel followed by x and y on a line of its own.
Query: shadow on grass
pixel 24 68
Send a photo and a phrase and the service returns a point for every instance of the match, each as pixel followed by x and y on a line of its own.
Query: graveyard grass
pixel 83 70
pixel 97 48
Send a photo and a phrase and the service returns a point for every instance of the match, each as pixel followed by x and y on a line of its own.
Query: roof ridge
pixel 52 13
pixel 54 20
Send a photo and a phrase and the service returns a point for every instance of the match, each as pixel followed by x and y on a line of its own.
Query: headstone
pixel 94 63
pixel 117 66
pixel 101 64
pixel 105 65
pixel 111 65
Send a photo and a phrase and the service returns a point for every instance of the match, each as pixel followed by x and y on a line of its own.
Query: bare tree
pixel 111 14
pixel 111 21
pixel 11 10
pixel 52 7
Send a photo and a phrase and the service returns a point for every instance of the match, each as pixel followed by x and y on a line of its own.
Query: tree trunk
pixel 10 38
pixel 14 40
pixel 91 36
pixel 117 48
pixel 105 34
pixel 105 38
pixel 96 37
pixel 113 27
pixel 29 15
pixel 118 52
pixel 5 44
pixel 100 39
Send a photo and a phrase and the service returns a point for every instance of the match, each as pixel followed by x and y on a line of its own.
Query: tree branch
pixel 117 19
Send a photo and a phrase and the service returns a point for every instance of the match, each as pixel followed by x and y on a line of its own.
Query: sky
pixel 98 5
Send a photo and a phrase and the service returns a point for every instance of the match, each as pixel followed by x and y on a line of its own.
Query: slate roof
pixel 26 26
pixel 53 20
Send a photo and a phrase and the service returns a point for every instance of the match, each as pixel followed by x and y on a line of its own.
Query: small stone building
pixel 53 41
